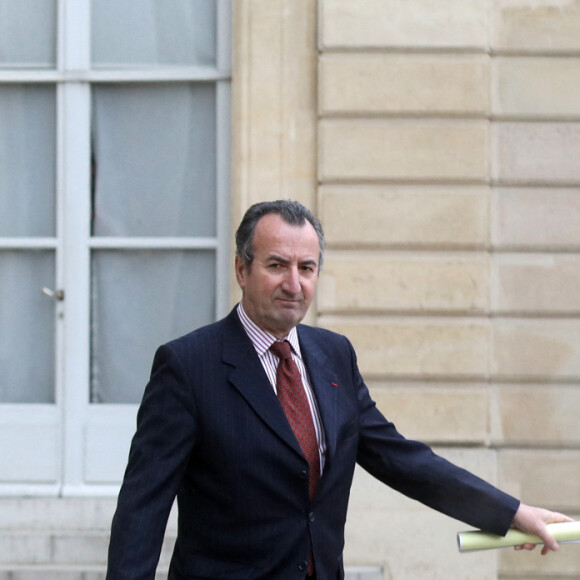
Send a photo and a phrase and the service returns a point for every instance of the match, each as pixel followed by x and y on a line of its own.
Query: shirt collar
pixel 261 339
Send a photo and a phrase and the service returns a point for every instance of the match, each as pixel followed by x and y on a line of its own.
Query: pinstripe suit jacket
pixel 211 431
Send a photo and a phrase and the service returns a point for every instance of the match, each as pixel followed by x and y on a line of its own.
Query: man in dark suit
pixel 253 501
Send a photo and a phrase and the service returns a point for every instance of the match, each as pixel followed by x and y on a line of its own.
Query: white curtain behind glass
pixel 27 209
pixel 153 32
pixel 28 33
pixel 27 160
pixel 154 175
pixel 26 327
pixel 154 157
pixel 142 299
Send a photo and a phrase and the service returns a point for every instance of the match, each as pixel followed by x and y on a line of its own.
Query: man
pixel 263 481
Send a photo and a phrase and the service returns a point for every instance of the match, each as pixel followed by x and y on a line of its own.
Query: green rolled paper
pixel 474 540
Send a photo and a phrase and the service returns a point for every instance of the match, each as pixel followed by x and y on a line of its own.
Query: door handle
pixel 54 294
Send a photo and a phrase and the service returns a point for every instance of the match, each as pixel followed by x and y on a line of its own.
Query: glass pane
pixel 27 327
pixel 154 160
pixel 27 33
pixel 150 32
pixel 142 299
pixel 27 160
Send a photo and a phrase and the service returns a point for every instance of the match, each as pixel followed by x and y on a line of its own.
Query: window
pixel 114 184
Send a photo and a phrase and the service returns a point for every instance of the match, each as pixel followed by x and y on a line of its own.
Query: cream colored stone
pixel 408 216
pixel 371 281
pixel 273 102
pixel 77 549
pixel 546 283
pixel 535 415
pixel 388 23
pixel 397 83
pixel 536 218
pixel 536 153
pixel 435 413
pixel 416 347
pixel 403 149
pixel 565 564
pixel 31 548
pixel 537 25
pixel 386 528
pixel 542 477
pixel 537 87
pixel 541 348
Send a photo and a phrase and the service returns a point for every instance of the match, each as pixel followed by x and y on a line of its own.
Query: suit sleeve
pixel 412 468
pixel 161 446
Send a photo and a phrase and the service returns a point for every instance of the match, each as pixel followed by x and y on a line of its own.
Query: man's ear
pixel 240 268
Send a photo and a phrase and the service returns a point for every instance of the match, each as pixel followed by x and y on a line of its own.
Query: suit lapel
pixel 324 383
pixel 249 378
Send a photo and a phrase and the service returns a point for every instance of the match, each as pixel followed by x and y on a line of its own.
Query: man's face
pixel 280 283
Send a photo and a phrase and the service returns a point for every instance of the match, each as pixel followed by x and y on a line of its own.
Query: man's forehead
pixel 277 230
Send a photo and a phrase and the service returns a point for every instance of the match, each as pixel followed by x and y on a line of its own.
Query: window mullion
pixel 74 203
pixel 223 156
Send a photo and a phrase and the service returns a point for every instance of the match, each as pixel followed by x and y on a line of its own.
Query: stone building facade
pixel 439 142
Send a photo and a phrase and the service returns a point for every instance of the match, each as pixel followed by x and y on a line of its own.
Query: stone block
pixel 536 283
pixel 537 87
pixel 273 102
pixel 363 573
pixel 397 83
pixel 540 349
pixel 538 26
pixel 44 573
pixel 547 478
pixel 403 149
pixel 435 413
pixel 536 218
pixel 416 347
pixel 391 23
pixel 56 513
pixel 53 514
pixel 537 415
pixel 379 282
pixel 386 528
pixel 24 548
pixel 563 565
pixel 406 215
pixel 86 548
pixel 539 153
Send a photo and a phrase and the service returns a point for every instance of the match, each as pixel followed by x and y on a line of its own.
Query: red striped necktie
pixel 294 402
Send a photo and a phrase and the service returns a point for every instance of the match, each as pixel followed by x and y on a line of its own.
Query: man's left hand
pixel 533 520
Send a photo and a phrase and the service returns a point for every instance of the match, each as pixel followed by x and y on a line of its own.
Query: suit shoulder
pixel 207 334
pixel 323 335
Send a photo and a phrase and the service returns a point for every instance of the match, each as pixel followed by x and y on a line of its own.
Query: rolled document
pixel 470 541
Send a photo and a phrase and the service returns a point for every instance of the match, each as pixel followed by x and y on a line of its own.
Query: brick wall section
pixel 449 186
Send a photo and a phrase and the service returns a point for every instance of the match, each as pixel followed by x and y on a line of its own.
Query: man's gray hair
pixel 291 212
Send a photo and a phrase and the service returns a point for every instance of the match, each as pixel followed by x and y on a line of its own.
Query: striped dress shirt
pixel 262 342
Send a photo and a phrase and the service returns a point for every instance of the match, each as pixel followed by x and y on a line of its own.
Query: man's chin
pixel 289 318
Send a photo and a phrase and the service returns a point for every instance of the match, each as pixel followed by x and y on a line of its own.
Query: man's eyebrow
pixel 278 258
pixel 307 262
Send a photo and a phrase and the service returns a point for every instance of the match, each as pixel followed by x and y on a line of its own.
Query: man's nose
pixel 292 281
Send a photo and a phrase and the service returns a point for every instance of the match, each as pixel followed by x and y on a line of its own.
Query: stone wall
pixel 440 144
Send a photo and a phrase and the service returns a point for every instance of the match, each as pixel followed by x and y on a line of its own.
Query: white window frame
pixel 88 442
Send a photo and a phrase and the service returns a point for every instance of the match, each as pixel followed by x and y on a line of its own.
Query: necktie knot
pixel 281 348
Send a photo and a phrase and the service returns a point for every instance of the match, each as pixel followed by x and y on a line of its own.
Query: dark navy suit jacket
pixel 210 430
